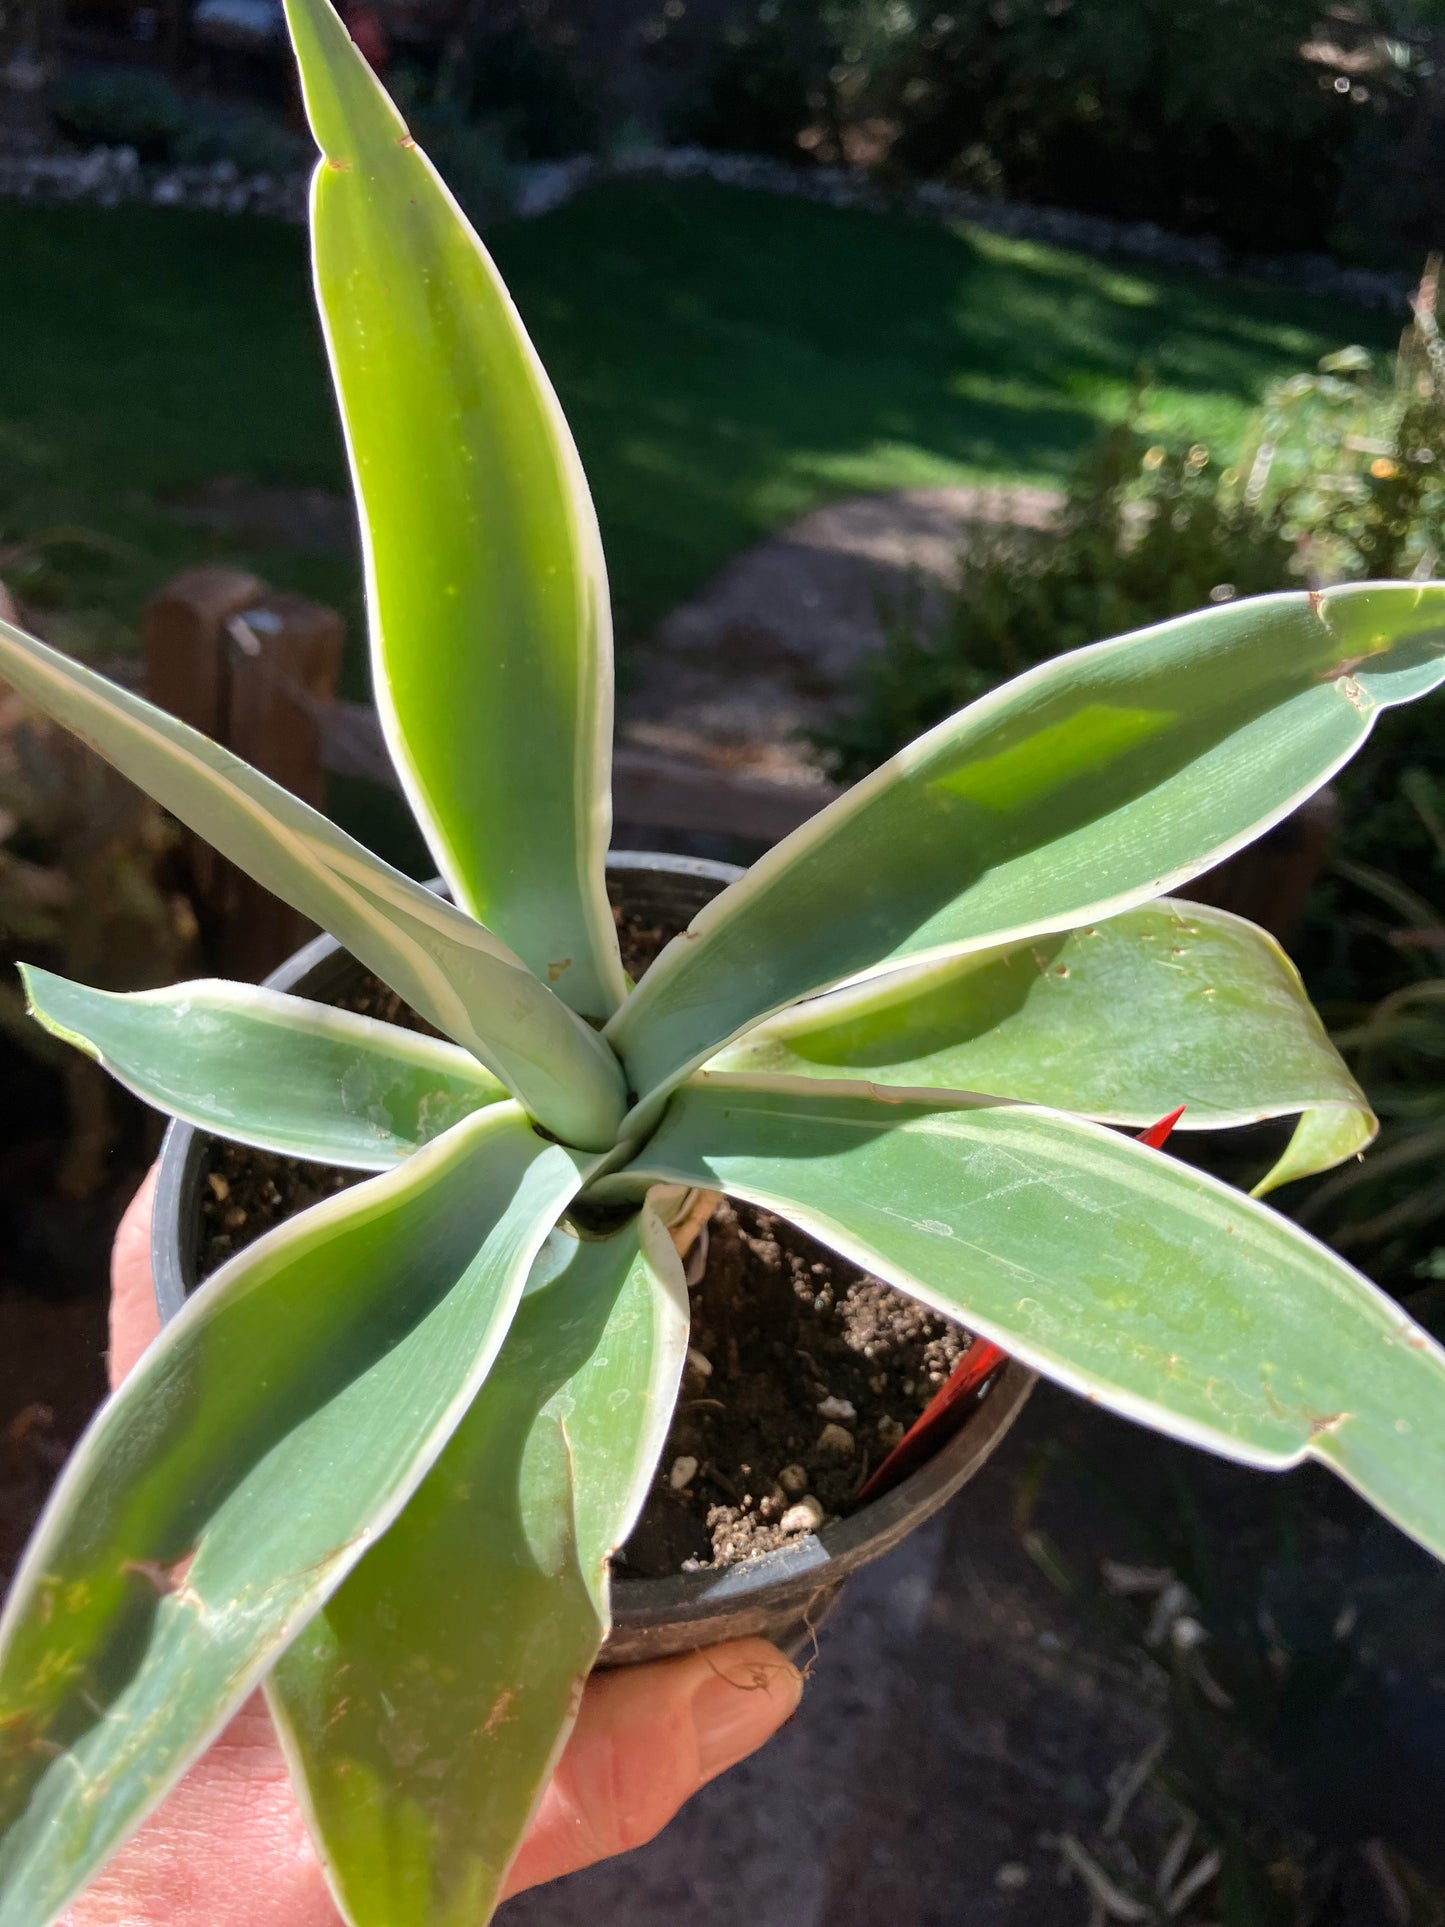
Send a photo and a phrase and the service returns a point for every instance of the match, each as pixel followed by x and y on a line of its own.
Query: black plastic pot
pixel 781 1595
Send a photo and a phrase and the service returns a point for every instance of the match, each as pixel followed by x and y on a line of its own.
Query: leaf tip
pixel 1157 1135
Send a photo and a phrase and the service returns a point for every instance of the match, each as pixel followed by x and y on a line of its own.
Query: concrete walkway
pixel 767 648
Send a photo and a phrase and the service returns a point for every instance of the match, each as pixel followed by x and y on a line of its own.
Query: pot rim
pixel 814 1564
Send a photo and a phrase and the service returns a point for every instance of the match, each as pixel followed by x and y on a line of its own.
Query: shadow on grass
pixel 728 360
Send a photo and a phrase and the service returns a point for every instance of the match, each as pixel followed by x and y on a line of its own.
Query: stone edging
pixel 932 201
pixel 108 176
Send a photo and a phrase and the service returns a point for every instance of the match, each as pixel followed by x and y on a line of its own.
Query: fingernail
pixel 737 1708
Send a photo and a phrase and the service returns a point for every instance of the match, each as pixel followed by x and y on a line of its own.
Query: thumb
pixel 646 1738
pixel 134 1320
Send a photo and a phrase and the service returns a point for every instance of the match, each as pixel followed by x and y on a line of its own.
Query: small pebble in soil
pixel 839 1408
pixel 806 1516
pixel 890 1430
pixel 698 1362
pixel 835 1438
pixel 793 1478
pixel 684 1471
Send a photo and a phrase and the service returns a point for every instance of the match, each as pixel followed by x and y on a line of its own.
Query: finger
pixel 227 1848
pixel 646 1739
pixel 134 1320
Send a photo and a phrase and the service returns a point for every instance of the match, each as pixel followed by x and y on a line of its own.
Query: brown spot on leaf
pixel 501 1714
pixel 1352 693
pixel 1328 1422
pixel 163 1579
pixel 1345 668
pixel 555 970
pixel 1343 674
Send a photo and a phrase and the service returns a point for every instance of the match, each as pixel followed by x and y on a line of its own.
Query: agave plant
pixel 382 1457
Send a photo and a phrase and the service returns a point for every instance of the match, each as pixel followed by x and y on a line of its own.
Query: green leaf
pixel 1112 1268
pixel 492 657
pixel 1093 783
pixel 424 1708
pixel 448 968
pixel 256 1066
pixel 266 1439
pixel 1122 1021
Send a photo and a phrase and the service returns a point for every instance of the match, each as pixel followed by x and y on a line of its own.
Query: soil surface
pixel 803 1372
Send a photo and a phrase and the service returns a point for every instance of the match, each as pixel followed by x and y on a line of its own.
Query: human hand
pixel 229 1848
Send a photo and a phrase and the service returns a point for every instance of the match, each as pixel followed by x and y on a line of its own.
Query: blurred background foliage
pixel 1138 109
pixel 1341 477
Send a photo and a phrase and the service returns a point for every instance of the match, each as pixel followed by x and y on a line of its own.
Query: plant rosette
pixel 784 1594
pixel 380 1460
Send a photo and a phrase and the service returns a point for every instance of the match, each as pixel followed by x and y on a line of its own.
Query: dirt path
pixel 768 647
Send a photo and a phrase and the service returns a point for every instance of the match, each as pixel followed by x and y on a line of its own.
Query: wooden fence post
pixel 183 640
pixel 252 667
pixel 284 659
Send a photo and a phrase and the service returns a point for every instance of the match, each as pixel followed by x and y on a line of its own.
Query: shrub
pixel 128 107
pixel 1141 109
pixel 123 107
pixel 1354 459
pixel 784 76
pixel 253 142
pixel 1390 1208
pixel 1342 479
pixel 1147 532
pixel 471 151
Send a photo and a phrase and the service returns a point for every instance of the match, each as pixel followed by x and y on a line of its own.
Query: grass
pixel 728 360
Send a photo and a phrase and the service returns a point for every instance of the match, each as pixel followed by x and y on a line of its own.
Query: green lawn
pixel 727 360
